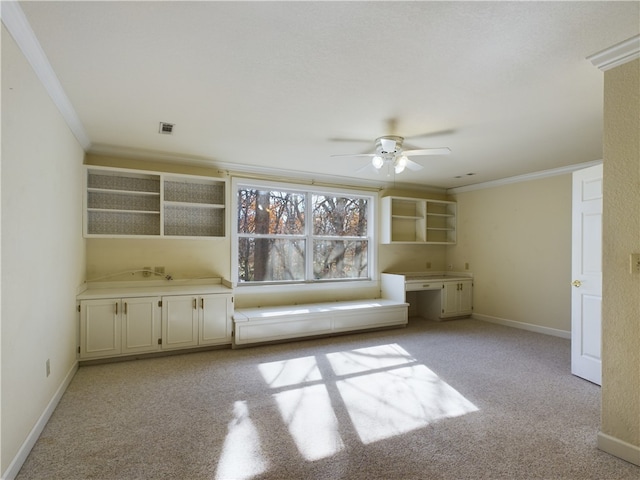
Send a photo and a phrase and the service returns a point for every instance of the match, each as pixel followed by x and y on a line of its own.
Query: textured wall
pixel 621 232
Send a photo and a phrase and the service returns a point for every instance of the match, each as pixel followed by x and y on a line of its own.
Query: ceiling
pixel 268 87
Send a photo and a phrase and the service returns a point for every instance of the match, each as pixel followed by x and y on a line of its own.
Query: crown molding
pixel 617 55
pixel 523 178
pixel 18 26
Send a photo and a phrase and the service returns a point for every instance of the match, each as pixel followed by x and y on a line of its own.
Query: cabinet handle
pixel 125 308
pixel 202 303
pixel 195 303
pixel 461 285
pixel 116 308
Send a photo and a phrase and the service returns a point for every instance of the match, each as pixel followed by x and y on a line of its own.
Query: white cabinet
pixel 414 220
pixel 192 320
pixel 119 326
pixel 116 321
pixel 215 320
pixel 122 202
pixel 179 321
pixel 456 299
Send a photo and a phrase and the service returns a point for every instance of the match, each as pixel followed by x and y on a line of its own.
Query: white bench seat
pixel 267 324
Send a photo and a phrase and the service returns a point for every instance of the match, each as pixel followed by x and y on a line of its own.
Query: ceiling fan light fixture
pixel 400 164
pixel 377 162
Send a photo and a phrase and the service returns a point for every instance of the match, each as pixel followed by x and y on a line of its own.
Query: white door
pixel 586 270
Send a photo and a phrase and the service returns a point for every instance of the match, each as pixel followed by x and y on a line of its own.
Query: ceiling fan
pixel 389 153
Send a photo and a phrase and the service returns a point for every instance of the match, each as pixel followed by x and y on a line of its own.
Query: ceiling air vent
pixel 166 128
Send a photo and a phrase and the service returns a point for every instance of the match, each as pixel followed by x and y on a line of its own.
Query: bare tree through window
pixel 276 244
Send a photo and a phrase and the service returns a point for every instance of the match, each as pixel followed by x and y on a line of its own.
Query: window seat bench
pixel 269 324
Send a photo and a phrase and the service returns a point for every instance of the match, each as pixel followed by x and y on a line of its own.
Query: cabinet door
pixel 215 319
pixel 179 321
pixel 100 328
pixel 140 324
pixel 465 295
pixel 450 299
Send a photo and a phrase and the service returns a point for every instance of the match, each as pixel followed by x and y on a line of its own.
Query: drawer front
pixel 424 285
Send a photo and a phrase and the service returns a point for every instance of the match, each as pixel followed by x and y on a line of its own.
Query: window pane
pixel 270 212
pixel 270 260
pixel 339 216
pixel 340 259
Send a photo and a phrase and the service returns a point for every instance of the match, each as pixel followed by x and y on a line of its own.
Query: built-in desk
pixel 437 295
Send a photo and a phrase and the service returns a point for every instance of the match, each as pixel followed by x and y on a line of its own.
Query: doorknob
pixel 576 283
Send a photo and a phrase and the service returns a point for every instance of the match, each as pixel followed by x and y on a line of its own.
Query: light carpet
pixel 461 399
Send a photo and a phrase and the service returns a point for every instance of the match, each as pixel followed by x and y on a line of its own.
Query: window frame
pixel 309 190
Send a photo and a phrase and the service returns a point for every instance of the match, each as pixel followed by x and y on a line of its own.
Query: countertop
pixel 154 288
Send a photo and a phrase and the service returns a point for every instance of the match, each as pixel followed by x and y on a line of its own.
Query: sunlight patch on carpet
pixel 242 456
pixel 385 404
pixel 312 423
pixel 383 389
pixel 367 359
pixel 290 372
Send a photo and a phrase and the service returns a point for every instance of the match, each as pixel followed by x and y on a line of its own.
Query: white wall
pixel 42 250
pixel 517 241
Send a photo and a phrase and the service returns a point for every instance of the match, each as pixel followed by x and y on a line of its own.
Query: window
pixel 284 234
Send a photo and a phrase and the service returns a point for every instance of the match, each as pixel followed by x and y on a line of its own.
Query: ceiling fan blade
pixel 411 165
pixel 352 140
pixel 432 134
pixel 368 168
pixel 428 151
pixel 354 155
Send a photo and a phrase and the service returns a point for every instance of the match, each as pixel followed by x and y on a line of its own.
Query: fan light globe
pixel 401 163
pixel 377 162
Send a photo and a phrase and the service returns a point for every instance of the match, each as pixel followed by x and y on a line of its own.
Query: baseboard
pixel 619 448
pixel 25 449
pixel 524 326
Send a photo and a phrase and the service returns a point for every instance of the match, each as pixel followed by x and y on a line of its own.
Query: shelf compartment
pixel 440 208
pixel 201 192
pixel 401 208
pixel 104 222
pixel 440 235
pixel 123 201
pixel 417 220
pixel 407 230
pixel 189 221
pixel 129 182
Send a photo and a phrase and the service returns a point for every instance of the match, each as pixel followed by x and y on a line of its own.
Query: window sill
pixel 306 287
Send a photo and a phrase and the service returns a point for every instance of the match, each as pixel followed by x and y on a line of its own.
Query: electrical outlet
pixel 159 270
pixel 450 266
pixel 48 367
pixel 146 272
pixel 428 265
pixel 466 265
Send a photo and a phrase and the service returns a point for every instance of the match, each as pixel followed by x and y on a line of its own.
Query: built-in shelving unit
pixel 415 220
pixel 122 202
